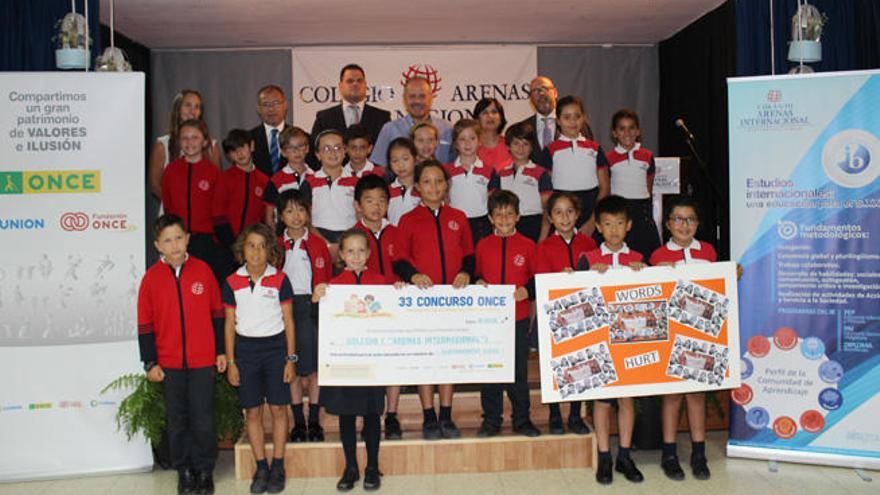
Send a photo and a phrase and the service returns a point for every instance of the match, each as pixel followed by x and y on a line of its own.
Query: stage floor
pixel 729 476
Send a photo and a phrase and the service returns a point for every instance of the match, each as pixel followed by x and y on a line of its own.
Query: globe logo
pixel 425 72
pixel 847 158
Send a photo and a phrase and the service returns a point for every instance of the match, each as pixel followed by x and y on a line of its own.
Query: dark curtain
pixel 27 28
pixel 843 37
pixel 694 65
pixel 867 13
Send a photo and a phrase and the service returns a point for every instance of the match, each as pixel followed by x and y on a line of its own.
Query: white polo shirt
pixel 468 191
pixel 575 163
pixel 528 183
pixel 333 201
pixel 257 306
pixel 629 170
pixel 401 202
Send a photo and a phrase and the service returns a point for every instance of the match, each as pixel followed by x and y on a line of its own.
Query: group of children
pixel 421 223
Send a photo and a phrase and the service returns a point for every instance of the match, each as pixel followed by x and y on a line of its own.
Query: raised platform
pixel 413 455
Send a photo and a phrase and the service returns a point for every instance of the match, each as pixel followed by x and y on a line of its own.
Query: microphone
pixel 681 125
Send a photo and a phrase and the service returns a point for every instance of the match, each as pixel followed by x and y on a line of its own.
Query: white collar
pixel 176 270
pixel 304 238
pixel 323 175
pixel 384 224
pixel 477 164
pixel 359 105
pixel 529 164
pixel 268 128
pixel 270 270
pixel 290 171
pixel 606 250
pixel 673 246
pixel 368 167
pixel 567 139
pixel 623 151
pixel 573 235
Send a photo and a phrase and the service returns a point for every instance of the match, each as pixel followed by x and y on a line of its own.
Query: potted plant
pixel 143 411
pixel 70 42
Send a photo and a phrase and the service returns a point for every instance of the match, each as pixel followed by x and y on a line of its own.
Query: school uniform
pixel 436 243
pixel 189 190
pixel 180 327
pixel 401 201
pixel 359 401
pixel 696 252
pixel 555 254
pixel 369 168
pixel 469 191
pixel 614 259
pixel 629 171
pixel 285 179
pixel 575 165
pixel 332 203
pixel 260 342
pixel 239 204
pixel 306 264
pixel 500 261
pixel 530 183
pixel 384 249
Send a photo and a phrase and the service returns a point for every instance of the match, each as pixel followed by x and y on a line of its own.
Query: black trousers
pixel 492 394
pixel 348 435
pixel 189 409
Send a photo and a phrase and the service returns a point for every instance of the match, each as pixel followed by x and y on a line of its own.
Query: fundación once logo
pixel 50 181
pixel 850 158
pixel 78 221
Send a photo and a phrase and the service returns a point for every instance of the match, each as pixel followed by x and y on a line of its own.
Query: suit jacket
pixel 261 149
pixel 332 118
pixel 539 156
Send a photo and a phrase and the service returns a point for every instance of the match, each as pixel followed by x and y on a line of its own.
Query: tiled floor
pixel 729 476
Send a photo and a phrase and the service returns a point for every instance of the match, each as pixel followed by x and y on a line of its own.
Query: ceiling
pixel 281 23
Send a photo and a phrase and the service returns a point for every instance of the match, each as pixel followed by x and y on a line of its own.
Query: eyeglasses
pixel 542 89
pixel 682 220
pixel 335 148
pixel 271 104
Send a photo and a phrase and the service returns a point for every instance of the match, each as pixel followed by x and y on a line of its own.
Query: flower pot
pixel 72 58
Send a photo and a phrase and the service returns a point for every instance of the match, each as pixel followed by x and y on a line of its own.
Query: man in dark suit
pixel 353 109
pixel 272 109
pixel 543 95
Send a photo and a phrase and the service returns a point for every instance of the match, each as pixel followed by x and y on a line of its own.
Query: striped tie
pixel 273 151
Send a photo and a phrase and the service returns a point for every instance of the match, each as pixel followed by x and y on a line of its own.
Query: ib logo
pixel 850 158
pixel 786 229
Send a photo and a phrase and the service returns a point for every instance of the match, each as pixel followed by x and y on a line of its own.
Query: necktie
pixel 273 151
pixel 354 115
pixel 547 135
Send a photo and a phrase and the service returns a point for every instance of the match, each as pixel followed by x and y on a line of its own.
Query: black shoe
pixel 627 467
pixel 672 468
pixel 556 425
pixel 577 425
pixel 392 429
pixel 316 433
pixel 700 468
pixel 372 479
pixel 186 481
pixel 431 430
pixel 349 478
pixel 260 482
pixel 298 434
pixel 277 478
pixel 448 429
pixel 205 482
pixel 604 472
pixel 527 429
pixel 488 430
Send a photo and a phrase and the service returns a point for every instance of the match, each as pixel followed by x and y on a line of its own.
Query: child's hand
pixel 220 363
pixel 288 371
pixel 156 374
pixel 400 284
pixel 461 280
pixel 739 271
pixel 599 267
pixel 568 269
pixel 666 263
pixel 637 265
pixel 319 292
pixel 521 294
pixel 232 374
pixel 482 283
pixel 422 281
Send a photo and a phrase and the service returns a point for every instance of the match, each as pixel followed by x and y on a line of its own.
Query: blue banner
pixel 805 217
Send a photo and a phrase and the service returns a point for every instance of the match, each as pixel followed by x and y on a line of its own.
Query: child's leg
pixel 696 407
pixel 670 414
pixel 518 391
pixel 446 392
pixel 491 401
pixel 200 385
pixel 371 439
pixel 177 423
pixel 626 420
pixel 602 424
pixel 279 430
pixel 426 397
pixel 254 425
pixel 348 435
pixel 392 399
pixel 296 403
pixel 314 399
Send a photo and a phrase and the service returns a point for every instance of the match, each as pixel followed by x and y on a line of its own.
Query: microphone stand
pixel 716 192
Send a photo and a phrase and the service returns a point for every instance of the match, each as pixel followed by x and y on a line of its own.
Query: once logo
pixel 850 158
pixel 74 221
pixel 50 182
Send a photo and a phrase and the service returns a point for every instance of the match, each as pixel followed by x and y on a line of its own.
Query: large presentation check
pixel 625 333
pixel 379 335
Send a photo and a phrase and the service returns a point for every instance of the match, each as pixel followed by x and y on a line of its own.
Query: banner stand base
pixel 864 476
pixel 776 455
